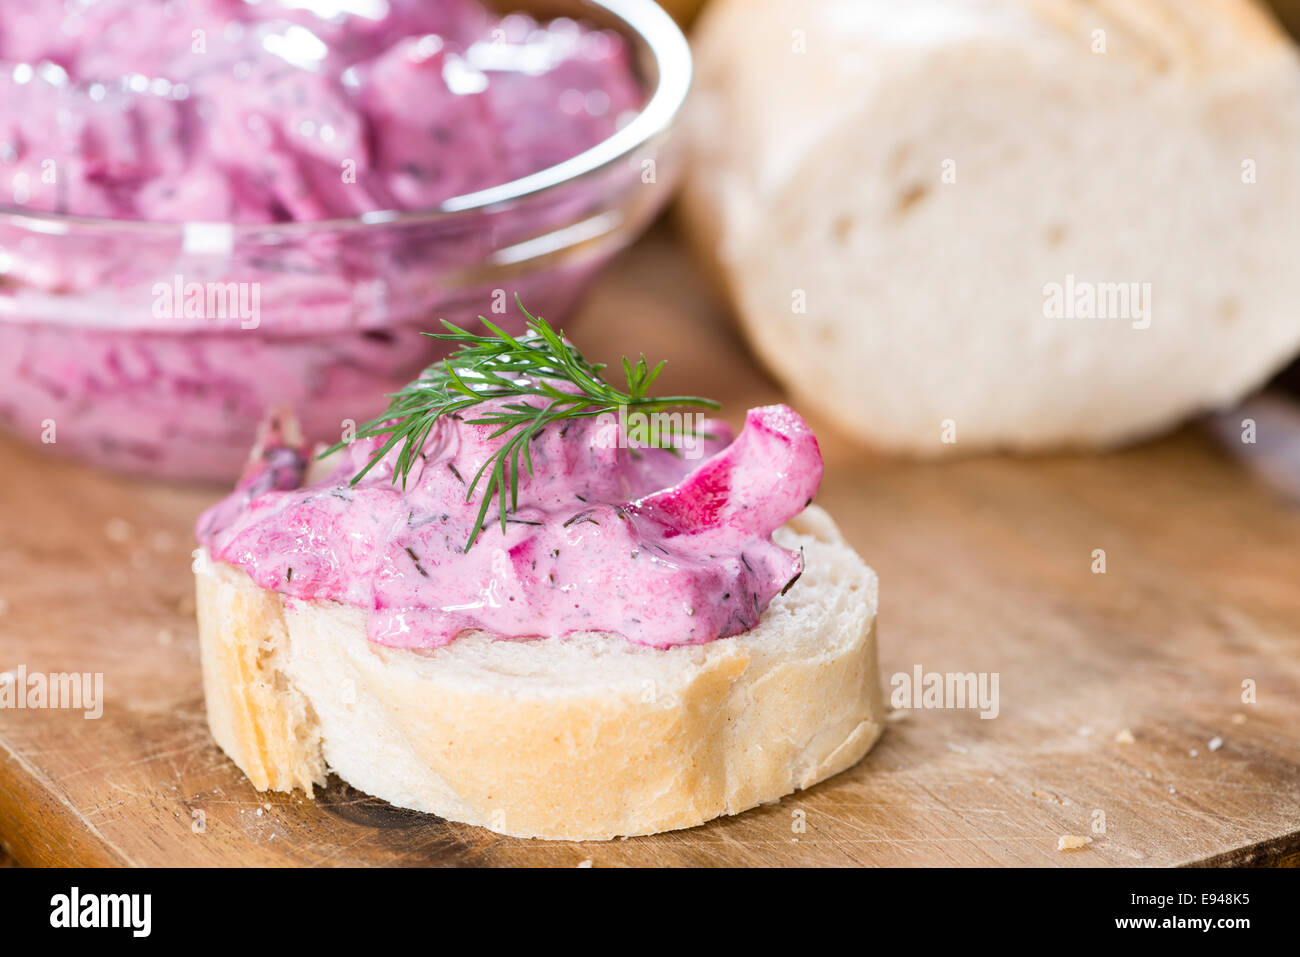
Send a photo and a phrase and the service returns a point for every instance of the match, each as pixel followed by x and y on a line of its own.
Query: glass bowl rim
pixel 645 19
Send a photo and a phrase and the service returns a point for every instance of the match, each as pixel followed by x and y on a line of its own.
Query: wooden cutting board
pixel 985 566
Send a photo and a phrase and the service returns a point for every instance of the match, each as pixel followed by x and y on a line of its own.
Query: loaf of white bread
pixel 586 737
pixel 954 225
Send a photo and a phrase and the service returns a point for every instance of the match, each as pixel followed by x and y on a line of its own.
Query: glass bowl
pixel 102 359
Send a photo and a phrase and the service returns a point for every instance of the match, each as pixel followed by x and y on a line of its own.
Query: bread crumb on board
pixel 1125 737
pixel 1215 743
pixel 1072 842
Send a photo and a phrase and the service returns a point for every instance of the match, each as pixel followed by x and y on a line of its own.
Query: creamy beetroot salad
pixel 645 543
pixel 258 113
pixel 279 110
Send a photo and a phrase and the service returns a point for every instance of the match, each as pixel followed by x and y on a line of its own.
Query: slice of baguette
pixel 894 194
pixel 587 737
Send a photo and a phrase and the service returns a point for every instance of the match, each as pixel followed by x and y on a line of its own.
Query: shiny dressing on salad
pixel 258 111
pixel 263 112
pixel 645 543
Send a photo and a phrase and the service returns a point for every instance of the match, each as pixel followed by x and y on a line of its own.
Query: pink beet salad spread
pixel 258 124
pixel 257 111
pixel 645 543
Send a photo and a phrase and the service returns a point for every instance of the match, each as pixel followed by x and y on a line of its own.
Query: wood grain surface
pixel 985 566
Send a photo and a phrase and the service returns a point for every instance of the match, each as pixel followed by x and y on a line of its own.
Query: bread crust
pixel 264 725
pixel 613 739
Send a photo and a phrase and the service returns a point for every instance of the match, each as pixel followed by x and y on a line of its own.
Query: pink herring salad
pixel 258 112
pixel 642 543
pixel 274 116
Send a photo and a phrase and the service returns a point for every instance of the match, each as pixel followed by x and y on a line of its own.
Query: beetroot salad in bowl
pixel 213 208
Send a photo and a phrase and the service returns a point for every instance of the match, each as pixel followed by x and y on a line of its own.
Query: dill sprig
pixel 502 366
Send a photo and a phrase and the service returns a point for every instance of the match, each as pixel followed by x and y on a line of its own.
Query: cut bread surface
pixel 894 196
pixel 584 737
